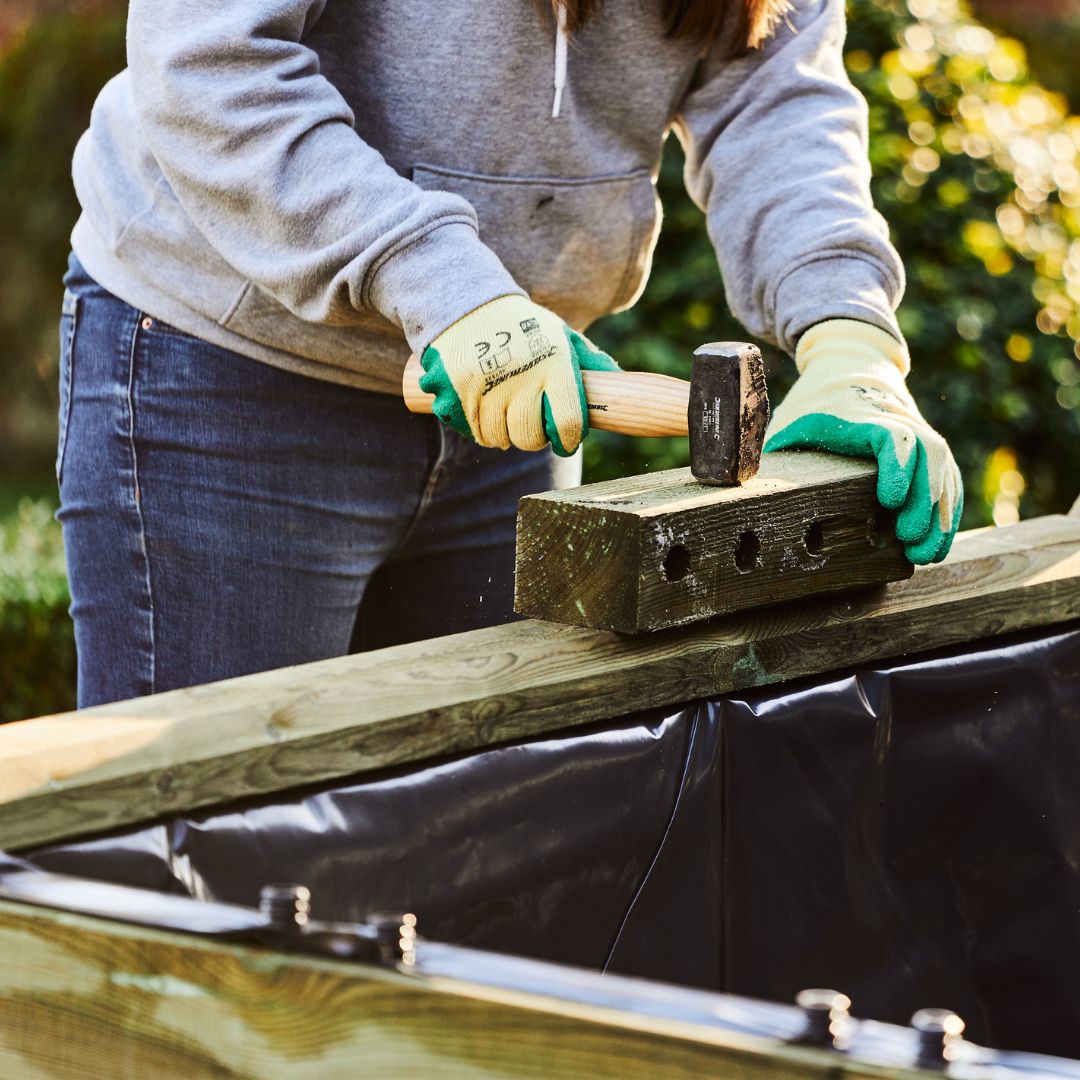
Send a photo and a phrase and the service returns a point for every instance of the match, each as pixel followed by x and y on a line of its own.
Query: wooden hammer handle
pixel 629 402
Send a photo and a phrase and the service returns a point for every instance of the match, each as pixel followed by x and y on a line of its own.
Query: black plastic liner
pixel 908 833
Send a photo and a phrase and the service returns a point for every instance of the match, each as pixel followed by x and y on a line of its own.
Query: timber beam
pixel 86 997
pixel 117 765
pixel 659 550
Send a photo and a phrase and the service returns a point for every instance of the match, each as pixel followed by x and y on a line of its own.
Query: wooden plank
pixel 83 997
pixel 651 552
pixel 80 773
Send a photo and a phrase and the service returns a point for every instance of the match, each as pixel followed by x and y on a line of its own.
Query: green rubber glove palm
pixel 851 398
pixel 509 374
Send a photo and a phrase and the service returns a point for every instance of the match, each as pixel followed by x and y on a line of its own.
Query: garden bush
pixel 49 77
pixel 975 166
pixel 976 169
pixel 37 647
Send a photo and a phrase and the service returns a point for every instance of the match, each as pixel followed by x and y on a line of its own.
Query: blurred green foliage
pixel 37 650
pixel 975 167
pixel 49 77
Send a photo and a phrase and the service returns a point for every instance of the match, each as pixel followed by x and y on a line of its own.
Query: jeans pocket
pixel 68 320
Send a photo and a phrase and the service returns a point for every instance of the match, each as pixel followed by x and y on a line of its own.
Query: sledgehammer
pixel 724 408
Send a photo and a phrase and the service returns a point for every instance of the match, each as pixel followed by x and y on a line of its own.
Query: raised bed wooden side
pixel 84 997
pixel 78 773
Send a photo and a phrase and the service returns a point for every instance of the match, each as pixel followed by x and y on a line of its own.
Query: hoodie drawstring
pixel 561 48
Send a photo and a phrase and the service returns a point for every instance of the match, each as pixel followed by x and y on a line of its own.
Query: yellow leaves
pixel 919 38
pixel 1019 348
pixel 901 84
pixel 1011 222
pixel 1070 269
pixel 1055 314
pixel 921 132
pixel 999 263
pixel 890 62
pixel 926 160
pixel 953 193
pixel 974 40
pixel 903 87
pixel 917 53
pixel 699 315
pixel 858 61
pixel 970 107
pixel 1003 484
pixel 953 142
pixel 934 9
pixel 985 240
pixel 1008 61
pixel 918 63
pixel 976 146
pixel 1011 48
pixel 1063 145
pixel 1027 131
pixel 922 161
pixel 963 90
pixel 964 69
pixel 1034 109
pixel 1066 176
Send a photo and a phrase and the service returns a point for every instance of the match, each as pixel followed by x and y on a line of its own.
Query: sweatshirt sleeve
pixel 261 152
pixel 776 155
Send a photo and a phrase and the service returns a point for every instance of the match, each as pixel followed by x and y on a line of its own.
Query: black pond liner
pixel 906 832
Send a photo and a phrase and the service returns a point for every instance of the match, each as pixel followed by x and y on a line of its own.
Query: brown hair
pixel 699 21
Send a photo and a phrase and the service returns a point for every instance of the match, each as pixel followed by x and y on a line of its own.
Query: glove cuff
pixel 866 347
pixel 472 313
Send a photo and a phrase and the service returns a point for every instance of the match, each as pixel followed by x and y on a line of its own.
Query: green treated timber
pixel 80 773
pixel 84 997
pixel 647 553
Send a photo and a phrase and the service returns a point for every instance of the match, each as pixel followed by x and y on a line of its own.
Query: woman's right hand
pixel 509 374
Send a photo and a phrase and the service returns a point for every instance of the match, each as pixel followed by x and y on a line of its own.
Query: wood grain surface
pixel 651 552
pixel 80 773
pixel 86 998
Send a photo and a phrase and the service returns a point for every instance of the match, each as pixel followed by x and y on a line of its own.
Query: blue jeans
pixel 222 516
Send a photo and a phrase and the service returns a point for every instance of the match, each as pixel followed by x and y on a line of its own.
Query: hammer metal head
pixel 728 412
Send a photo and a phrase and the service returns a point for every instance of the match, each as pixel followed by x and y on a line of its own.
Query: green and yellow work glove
pixel 509 374
pixel 850 398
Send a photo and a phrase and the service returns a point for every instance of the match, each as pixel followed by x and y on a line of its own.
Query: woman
pixel 282 198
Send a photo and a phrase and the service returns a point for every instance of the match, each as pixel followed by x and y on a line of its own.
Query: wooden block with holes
pixel 650 552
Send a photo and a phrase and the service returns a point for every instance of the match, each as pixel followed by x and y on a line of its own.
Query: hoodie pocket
pixel 579 246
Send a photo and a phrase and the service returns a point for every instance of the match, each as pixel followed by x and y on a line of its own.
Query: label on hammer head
pixel 712 415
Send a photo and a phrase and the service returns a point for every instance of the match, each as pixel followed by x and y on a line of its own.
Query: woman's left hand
pixel 851 398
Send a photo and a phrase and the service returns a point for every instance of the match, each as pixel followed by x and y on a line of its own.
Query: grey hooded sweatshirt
pixel 325 185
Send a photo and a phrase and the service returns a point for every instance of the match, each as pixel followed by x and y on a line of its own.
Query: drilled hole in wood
pixel 814 540
pixel 881 526
pixel 676 563
pixel 746 552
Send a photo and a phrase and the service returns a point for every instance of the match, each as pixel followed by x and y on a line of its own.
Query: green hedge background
pixel 976 166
